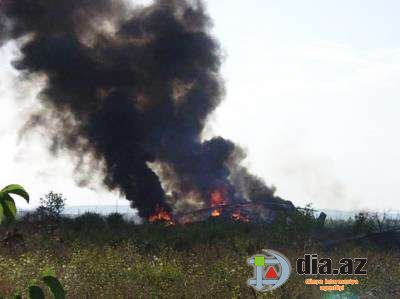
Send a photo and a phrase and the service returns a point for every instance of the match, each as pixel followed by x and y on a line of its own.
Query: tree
pixel 54 203
pixel 8 209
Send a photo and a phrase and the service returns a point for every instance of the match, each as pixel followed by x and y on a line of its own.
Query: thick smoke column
pixel 130 86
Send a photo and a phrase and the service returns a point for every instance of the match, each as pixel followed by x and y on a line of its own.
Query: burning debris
pixel 131 87
pixel 161 215
pixel 239 216
pixel 218 200
pixel 266 212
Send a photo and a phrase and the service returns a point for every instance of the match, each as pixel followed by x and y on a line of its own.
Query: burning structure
pixel 129 88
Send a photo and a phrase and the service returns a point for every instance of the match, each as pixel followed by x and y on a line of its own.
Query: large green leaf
pixel 55 286
pixel 8 206
pixel 36 292
pixel 16 189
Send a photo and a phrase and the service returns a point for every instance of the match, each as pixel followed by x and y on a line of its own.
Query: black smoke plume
pixel 131 86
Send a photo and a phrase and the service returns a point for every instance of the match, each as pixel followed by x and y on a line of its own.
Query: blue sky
pixel 312 94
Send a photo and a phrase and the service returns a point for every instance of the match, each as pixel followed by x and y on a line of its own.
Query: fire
pixel 217 200
pixel 161 215
pixel 216 212
pixel 238 216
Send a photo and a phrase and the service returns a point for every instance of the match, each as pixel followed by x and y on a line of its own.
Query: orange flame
pixel 217 199
pixel 216 213
pixel 161 215
pixel 238 216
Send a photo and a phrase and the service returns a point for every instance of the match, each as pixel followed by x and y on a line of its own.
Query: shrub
pixel 39 214
pixel 89 221
pixel 363 223
pixel 295 228
pixel 115 221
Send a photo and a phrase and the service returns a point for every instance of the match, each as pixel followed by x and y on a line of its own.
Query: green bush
pixel 89 221
pixel 115 221
pixel 363 223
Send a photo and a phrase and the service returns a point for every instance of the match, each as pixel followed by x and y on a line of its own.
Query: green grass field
pixel 97 257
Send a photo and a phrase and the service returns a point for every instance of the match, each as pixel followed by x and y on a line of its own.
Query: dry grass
pixel 202 260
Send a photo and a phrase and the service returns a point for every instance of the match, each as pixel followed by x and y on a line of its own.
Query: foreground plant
pixel 51 281
pixel 8 209
pixel 8 213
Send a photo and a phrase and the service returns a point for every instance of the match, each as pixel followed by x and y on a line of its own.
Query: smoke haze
pixel 128 90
